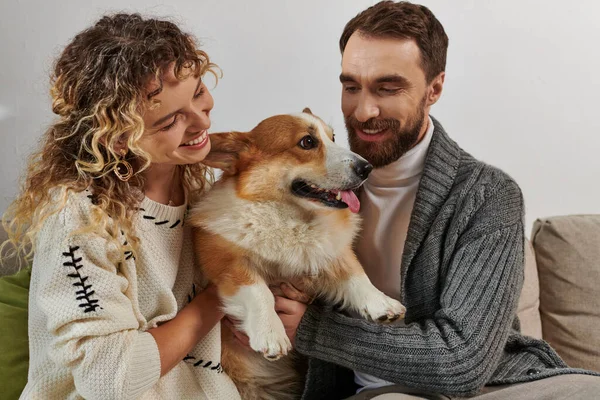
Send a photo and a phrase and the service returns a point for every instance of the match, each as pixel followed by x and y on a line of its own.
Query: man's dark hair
pixel 404 20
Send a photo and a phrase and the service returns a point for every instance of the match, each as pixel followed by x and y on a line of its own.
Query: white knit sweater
pixel 88 313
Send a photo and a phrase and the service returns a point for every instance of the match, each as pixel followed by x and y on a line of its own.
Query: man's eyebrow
pixel 170 115
pixel 393 78
pixel 346 78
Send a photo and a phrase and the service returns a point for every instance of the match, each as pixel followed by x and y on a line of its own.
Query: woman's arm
pixel 80 297
pixel 177 337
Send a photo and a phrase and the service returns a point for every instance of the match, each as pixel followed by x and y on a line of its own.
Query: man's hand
pixel 291 308
pixel 293 291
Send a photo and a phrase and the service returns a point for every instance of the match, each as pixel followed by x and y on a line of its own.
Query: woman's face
pixel 176 130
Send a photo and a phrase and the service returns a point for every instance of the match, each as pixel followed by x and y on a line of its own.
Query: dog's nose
pixel 362 169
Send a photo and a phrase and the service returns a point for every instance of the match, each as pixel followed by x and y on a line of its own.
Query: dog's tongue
pixel 350 198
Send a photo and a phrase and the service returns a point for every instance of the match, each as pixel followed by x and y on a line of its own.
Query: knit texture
pixel 89 310
pixel 461 275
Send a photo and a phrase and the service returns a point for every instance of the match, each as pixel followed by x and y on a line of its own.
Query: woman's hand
pixel 207 305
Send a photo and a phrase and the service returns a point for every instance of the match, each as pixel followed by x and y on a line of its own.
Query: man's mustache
pixel 373 124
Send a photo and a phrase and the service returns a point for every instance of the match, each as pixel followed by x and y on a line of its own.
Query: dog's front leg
pixel 253 305
pixel 349 285
pixel 244 294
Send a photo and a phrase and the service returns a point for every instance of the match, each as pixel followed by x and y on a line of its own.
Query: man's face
pixel 384 97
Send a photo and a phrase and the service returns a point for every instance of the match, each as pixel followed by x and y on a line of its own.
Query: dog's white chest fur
pixel 276 232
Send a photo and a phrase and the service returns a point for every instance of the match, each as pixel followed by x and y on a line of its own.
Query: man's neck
pixel 424 127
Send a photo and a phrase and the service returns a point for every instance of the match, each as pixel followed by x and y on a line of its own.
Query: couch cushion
pixel 529 302
pixel 568 258
pixel 14 350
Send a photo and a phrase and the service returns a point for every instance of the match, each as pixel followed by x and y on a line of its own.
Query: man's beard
pixel 403 138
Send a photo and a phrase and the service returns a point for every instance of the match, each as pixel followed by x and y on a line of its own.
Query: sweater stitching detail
pixel 193 294
pixel 93 199
pixel 145 216
pixel 127 253
pixel 163 222
pixel 84 294
pixel 196 362
pixel 189 359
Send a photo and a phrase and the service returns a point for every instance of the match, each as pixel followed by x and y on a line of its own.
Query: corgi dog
pixel 283 210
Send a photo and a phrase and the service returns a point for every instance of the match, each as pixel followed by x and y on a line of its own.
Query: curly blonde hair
pixel 99 91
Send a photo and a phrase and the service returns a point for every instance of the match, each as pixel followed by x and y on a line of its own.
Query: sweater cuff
pixel 145 365
pixel 308 329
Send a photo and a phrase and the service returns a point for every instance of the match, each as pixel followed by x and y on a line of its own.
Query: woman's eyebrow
pixel 168 116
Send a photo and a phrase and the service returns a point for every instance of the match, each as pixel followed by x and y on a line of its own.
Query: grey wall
pixel 521 87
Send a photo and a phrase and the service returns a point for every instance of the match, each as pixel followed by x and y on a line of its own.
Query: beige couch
pixel 560 302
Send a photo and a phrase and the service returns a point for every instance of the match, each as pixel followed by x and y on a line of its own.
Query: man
pixel 443 233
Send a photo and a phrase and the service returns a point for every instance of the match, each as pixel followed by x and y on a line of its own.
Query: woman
pixel 116 309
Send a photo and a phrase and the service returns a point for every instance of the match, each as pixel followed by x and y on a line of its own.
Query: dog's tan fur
pixel 251 231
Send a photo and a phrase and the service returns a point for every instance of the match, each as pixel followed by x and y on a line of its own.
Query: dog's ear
pixel 225 149
pixel 307 111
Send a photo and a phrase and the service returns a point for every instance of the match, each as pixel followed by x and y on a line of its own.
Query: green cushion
pixel 14 349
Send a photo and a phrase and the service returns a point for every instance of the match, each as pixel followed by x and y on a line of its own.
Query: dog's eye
pixel 333 138
pixel 308 142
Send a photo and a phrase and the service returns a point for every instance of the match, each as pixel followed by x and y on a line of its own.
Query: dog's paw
pixel 272 343
pixel 383 309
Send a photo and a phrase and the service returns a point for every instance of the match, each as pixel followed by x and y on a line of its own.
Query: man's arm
pixel 456 351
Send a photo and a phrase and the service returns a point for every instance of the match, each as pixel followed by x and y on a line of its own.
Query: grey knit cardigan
pixel 462 273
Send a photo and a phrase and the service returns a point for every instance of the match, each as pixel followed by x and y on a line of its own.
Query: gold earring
pixel 122 169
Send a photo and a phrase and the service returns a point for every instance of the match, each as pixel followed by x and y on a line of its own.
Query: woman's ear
pixel 119 145
pixel 225 150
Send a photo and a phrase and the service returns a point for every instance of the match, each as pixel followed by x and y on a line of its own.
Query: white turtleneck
pixel 386 203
